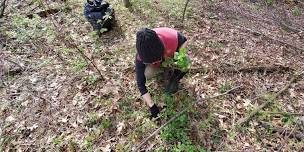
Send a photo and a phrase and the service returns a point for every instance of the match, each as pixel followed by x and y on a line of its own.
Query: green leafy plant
pixel 91 79
pixel 58 140
pixel 92 119
pixel 207 123
pixel 181 147
pixel 106 123
pixel 79 64
pixel 180 60
pixel 225 87
pixel 269 2
pixel 89 141
pixel 296 11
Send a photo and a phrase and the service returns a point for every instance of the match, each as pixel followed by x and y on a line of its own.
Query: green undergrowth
pixel 172 9
pixel 177 135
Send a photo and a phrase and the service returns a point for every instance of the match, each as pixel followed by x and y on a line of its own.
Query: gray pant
pixel 151 72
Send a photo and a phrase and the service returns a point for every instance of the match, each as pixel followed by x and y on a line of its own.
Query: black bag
pixel 100 14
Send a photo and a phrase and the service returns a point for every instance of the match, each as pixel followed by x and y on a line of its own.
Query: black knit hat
pixel 149 46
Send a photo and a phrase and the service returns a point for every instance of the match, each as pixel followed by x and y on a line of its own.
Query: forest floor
pixel 53 99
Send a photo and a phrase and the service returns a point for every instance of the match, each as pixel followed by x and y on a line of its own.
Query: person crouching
pixel 154 46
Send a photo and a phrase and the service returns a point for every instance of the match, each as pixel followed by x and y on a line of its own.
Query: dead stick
pixel 254 112
pixel 180 113
pixel 293 133
pixel 283 113
pixel 267 36
pixel 185 10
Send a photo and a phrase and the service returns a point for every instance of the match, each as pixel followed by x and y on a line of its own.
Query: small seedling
pixel 296 11
pixel 269 2
pixel 225 87
pixel 91 79
pixel 58 140
pixel 106 123
pixel 92 119
pixel 88 141
pixel 79 64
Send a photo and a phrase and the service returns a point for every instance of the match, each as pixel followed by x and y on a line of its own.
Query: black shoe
pixel 172 87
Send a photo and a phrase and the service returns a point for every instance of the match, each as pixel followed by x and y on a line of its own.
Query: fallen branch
pixel 282 113
pixel 269 101
pixel 271 38
pixel 288 27
pixel 2 8
pixel 184 12
pixel 291 133
pixel 261 69
pixel 278 68
pixel 44 13
pixel 13 62
pixel 179 114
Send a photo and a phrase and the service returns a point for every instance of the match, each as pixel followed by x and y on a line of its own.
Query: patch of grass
pixel 175 8
pixel 232 135
pixel 106 123
pixel 72 146
pixel 92 119
pixel 91 80
pixel 89 141
pixel 269 2
pixel 78 64
pixel 58 140
pixel 215 44
pixel 296 11
pixel 225 86
pixel 180 147
pixel 216 137
pixel 207 123
pixel 177 132
pixel 287 119
pixel 6 142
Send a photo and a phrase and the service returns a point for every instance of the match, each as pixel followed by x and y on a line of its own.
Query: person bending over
pixel 153 47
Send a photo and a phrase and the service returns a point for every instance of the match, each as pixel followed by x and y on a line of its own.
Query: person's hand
pixel 154 111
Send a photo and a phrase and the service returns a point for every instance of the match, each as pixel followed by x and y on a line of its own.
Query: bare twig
pixel 283 113
pixel 274 68
pixel 291 133
pixel 269 101
pixel 269 37
pixel 13 62
pixel 184 12
pixel 179 114
pixel 2 8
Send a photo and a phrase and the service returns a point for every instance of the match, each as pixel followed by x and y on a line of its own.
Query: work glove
pixel 154 111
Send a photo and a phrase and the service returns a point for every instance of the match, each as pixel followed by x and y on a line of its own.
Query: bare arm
pixel 147 98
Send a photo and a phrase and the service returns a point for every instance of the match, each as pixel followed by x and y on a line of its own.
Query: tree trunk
pixel 127 3
pixel 2 8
